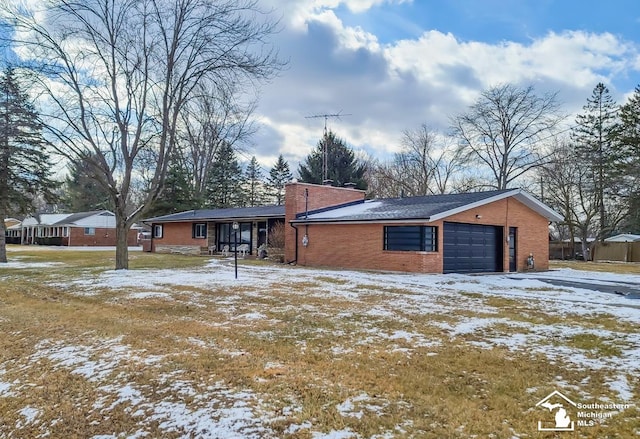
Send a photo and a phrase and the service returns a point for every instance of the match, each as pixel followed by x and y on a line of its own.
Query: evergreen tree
pixel 83 192
pixel 342 165
pixel 24 163
pixel 279 176
pixel 254 184
pixel 224 185
pixel 596 148
pixel 629 139
pixel 177 194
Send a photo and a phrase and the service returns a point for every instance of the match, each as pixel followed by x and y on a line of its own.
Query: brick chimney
pixel 305 197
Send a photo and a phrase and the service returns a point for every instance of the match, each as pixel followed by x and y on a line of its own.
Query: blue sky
pixel 392 65
pixel 396 64
pixel 495 20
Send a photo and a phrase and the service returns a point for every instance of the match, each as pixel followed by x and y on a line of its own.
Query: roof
pixel 75 217
pixel 60 219
pixel 623 237
pixel 221 214
pixel 430 207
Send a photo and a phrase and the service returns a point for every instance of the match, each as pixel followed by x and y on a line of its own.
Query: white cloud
pixel 388 88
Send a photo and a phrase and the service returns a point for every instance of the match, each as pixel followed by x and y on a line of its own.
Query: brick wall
pixel 102 237
pixel 296 201
pixel 178 235
pixel 361 245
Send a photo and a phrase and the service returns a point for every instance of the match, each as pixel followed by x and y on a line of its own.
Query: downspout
pixel 306 215
pixel 295 261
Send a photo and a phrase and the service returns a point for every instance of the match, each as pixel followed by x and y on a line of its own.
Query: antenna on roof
pixel 324 148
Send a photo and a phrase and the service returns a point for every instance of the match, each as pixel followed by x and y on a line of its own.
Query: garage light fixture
pixel 478 216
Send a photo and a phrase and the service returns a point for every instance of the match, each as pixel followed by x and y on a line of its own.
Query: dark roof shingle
pixel 221 214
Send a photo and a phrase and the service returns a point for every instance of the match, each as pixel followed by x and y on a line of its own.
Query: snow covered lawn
pixel 306 353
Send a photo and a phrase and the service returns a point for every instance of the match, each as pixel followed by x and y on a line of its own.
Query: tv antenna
pixel 326 116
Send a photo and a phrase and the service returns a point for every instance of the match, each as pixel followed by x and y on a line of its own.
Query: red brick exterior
pixel 361 245
pixel 102 237
pixel 179 234
pixel 296 201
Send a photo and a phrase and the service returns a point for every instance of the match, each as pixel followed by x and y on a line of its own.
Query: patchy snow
pixel 29 414
pixel 11 265
pixel 149 295
pixel 453 306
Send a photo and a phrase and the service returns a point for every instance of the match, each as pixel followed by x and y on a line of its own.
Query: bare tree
pixel 211 121
pixel 506 129
pixel 565 182
pixel 426 165
pixel 119 73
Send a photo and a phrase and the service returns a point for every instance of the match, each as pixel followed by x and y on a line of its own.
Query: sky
pixel 387 66
pixel 392 65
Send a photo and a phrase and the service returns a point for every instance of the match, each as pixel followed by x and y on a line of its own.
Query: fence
pixel 617 251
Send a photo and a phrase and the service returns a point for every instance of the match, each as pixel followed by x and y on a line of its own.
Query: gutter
pixel 360 221
pixel 295 261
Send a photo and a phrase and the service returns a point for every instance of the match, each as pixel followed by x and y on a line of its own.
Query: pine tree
pixel 254 184
pixel 279 176
pixel 342 165
pixel 224 185
pixel 177 195
pixel 629 138
pixel 24 163
pixel 83 192
pixel 595 143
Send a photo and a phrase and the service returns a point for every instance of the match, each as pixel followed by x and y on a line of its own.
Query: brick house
pixel 493 231
pixel 95 228
pixel 195 231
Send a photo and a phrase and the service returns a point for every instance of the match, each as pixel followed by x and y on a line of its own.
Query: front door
pixel 513 257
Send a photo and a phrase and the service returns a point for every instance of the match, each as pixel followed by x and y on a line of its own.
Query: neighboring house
pixel 492 231
pixel 12 231
pixel 623 237
pixel 96 228
pixel 195 231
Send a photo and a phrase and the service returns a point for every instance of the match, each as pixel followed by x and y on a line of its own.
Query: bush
pixel 276 236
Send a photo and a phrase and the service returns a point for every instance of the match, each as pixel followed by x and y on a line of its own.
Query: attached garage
pixel 472 248
pixel 475 232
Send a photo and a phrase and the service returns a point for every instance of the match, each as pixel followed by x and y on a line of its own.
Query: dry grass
pixel 610 267
pixel 297 360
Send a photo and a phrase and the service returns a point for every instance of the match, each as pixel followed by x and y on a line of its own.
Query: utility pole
pixel 325 146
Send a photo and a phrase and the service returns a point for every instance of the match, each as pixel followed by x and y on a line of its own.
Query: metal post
pixel 235 244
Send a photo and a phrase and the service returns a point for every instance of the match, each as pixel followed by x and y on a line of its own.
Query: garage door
pixel 472 248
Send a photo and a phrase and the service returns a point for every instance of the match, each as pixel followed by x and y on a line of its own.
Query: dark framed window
pixel 199 230
pixel 226 235
pixel 90 231
pixel 411 238
pixel 157 231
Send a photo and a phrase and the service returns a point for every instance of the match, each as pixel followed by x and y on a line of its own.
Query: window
pixel 411 238
pixel 157 231
pixel 226 235
pixel 90 231
pixel 199 230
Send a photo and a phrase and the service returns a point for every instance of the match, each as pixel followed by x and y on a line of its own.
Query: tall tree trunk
pixel 122 249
